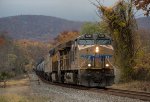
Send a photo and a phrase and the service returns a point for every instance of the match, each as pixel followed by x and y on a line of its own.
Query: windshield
pixel 86 42
pixel 103 41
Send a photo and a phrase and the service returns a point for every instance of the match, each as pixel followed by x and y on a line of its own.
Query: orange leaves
pixel 106 9
pixel 66 36
pixel 2 41
pixel 144 5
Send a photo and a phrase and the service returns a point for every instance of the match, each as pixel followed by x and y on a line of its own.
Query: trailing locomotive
pixel 85 61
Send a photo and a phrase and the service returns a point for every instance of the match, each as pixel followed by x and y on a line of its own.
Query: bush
pixel 142 70
pixel 6 75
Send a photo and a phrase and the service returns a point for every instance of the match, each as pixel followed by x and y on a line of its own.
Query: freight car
pixel 85 61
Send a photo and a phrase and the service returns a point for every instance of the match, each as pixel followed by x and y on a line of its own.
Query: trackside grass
pixel 19 98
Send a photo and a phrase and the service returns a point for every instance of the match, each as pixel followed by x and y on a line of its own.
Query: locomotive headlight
pixel 97 49
pixel 107 65
pixel 89 65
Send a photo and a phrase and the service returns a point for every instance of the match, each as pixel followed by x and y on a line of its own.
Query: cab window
pixel 86 42
pixel 103 41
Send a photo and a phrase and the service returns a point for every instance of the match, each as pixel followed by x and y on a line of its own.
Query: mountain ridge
pixel 36 26
pixel 43 28
pixel 143 23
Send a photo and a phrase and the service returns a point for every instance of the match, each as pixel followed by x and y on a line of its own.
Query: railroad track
pixel 145 96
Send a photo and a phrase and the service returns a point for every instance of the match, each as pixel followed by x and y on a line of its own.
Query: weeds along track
pixel 117 92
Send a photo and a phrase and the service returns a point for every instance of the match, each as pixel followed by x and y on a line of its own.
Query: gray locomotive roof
pixel 69 43
pixel 94 36
pixel 60 47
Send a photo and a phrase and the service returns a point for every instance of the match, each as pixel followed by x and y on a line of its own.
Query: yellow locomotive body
pixel 85 60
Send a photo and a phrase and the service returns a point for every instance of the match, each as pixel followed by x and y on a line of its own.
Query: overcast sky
pixel 77 10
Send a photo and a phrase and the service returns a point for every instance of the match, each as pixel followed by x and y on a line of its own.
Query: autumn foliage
pixel 12 59
pixel 34 50
pixel 19 56
pixel 2 40
pixel 144 5
pixel 65 36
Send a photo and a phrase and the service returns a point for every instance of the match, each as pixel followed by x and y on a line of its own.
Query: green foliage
pixel 121 23
pixel 94 28
pixel 4 75
pixel 142 69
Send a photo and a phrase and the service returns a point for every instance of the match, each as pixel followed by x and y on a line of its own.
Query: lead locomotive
pixel 85 61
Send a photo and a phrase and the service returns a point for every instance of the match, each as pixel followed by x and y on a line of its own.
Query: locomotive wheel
pixel 76 80
pixel 62 77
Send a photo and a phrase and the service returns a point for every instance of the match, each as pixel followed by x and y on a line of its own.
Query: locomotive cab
pixel 95 62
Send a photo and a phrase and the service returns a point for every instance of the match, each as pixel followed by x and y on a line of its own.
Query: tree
pixel 29 52
pixel 3 77
pixel 19 56
pixel 122 25
pixel 94 28
pixel 12 57
pixel 66 36
pixel 90 28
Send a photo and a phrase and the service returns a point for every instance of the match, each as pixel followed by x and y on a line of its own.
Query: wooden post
pixel 38 82
pixel 4 84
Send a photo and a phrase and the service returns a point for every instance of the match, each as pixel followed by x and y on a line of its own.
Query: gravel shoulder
pixel 51 93
pixel 63 94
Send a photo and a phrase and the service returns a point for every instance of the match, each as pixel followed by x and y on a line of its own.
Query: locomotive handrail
pixel 110 63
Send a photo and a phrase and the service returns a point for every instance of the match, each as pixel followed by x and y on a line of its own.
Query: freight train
pixel 85 61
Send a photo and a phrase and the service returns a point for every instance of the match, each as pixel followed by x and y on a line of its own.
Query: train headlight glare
pixel 89 65
pixel 97 49
pixel 107 65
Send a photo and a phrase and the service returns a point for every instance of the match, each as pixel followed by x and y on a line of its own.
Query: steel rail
pixel 145 96
pixel 131 94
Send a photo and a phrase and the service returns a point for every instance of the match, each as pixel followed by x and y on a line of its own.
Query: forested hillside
pixel 20 38
pixel 19 56
pixel 144 31
pixel 43 28
pixel 144 23
pixel 36 27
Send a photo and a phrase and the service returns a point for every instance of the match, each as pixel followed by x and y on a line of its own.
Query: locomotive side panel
pixel 74 56
pixel 55 60
pixel 65 59
pixel 41 66
pixel 55 67
pixel 48 64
